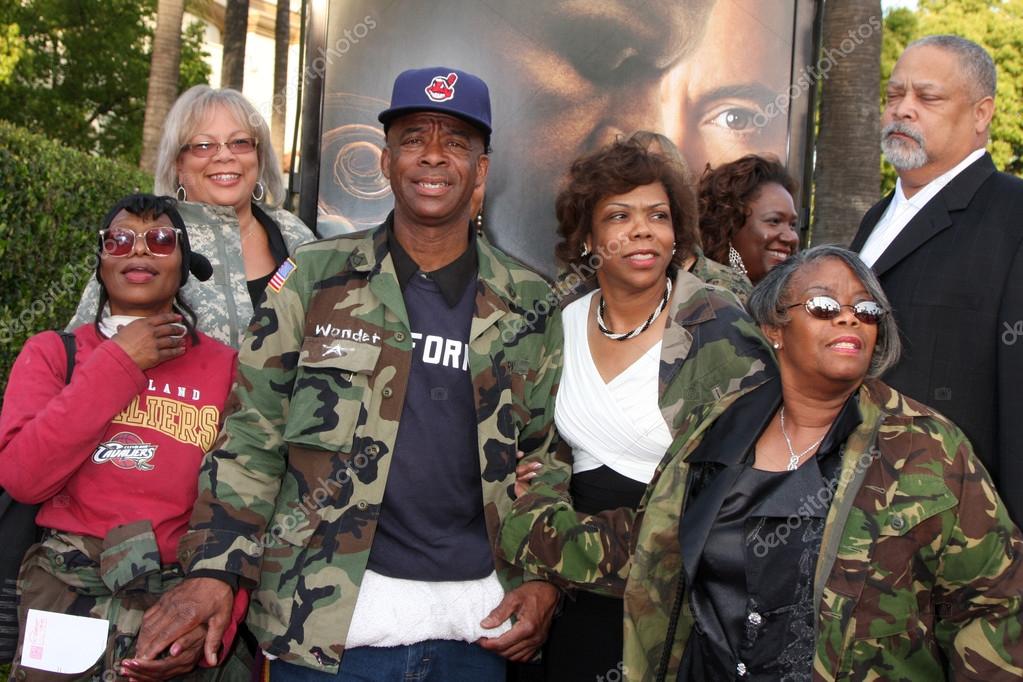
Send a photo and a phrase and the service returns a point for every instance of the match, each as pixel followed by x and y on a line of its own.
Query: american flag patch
pixel 282 274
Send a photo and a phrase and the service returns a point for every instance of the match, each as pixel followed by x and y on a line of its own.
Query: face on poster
pixel 565 78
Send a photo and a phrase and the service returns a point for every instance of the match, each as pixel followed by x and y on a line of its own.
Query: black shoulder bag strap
pixel 69 348
pixel 19 531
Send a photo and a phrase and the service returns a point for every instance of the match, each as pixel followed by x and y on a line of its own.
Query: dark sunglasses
pixel 827 308
pixel 241 145
pixel 159 241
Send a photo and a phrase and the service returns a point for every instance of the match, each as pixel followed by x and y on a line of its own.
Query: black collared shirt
pixel 452 279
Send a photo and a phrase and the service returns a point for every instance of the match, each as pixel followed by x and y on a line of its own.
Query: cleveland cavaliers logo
pixel 125 451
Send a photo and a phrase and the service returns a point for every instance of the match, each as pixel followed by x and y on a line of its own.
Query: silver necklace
pixel 638 330
pixel 793 457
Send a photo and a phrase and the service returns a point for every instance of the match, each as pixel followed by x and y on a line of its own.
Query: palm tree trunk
pixel 236 28
pixel 282 38
pixel 164 67
pixel 848 157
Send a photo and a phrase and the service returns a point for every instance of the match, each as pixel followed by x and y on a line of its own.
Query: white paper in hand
pixel 61 643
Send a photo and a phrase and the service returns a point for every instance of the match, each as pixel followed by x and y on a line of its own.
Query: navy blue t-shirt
pixel 431 524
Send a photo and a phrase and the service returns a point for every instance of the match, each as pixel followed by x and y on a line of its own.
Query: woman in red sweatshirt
pixel 113 456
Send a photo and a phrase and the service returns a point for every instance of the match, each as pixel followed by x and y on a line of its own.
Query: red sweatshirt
pixel 117 444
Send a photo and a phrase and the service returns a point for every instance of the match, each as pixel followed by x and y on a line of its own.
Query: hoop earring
pixel 180 193
pixel 258 192
pixel 735 260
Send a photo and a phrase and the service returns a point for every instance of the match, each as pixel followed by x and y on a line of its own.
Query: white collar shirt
pixel 902 210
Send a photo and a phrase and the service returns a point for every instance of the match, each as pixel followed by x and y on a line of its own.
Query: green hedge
pixel 52 200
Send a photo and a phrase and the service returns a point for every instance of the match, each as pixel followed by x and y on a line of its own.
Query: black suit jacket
pixel 954 276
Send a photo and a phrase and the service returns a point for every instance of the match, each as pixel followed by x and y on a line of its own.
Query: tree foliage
pixel 51 202
pixel 997 25
pixel 82 73
pixel 11 46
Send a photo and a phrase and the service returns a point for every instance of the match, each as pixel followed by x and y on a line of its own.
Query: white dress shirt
pixel 902 210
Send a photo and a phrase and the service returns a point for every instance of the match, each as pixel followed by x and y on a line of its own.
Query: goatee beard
pixel 901 154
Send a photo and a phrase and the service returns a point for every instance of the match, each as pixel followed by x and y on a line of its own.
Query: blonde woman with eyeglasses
pixel 216 159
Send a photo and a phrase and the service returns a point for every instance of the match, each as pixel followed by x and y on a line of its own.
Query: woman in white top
pixel 651 342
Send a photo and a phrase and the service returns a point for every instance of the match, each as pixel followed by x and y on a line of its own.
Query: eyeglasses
pixel 827 308
pixel 203 150
pixel 159 241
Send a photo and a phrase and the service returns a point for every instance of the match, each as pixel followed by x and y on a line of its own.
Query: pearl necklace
pixel 638 330
pixel 793 457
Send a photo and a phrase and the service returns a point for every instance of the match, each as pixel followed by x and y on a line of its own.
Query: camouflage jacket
pixel 290 495
pixel 221 303
pixel 723 276
pixel 710 349
pixel 918 576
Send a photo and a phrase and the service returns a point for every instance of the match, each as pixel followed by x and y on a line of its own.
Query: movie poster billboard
pixel 720 78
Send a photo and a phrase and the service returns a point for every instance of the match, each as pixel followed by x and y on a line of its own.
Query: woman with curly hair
pixel 645 341
pixel 748 218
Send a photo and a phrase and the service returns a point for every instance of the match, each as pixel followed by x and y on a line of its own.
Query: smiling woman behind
pixel 748 219
pixel 216 158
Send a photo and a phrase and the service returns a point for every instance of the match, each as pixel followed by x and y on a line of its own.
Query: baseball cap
pixel 441 89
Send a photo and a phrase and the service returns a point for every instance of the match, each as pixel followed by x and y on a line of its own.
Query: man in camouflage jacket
pixel 918 576
pixel 291 495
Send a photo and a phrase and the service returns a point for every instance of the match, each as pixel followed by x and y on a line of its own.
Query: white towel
pixel 398 612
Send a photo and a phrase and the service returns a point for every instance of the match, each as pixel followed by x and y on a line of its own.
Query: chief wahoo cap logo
pixel 442 88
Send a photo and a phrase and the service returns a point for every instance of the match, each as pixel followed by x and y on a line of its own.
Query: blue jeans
pixel 435 660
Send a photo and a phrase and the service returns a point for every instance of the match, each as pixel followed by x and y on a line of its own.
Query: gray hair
pixel 771 295
pixel 977 65
pixel 189 111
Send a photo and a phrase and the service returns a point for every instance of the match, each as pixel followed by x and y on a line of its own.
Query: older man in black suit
pixel 948 247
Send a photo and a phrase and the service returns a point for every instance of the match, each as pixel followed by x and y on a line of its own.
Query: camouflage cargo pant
pixel 116 579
